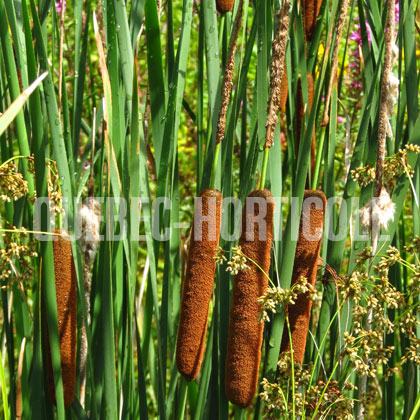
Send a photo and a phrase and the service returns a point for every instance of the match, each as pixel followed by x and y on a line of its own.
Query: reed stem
pixel 264 168
pixel 214 168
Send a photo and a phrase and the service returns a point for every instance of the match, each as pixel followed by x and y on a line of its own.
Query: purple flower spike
pixel 60 6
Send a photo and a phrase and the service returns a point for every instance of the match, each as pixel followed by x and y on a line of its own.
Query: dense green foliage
pixel 129 108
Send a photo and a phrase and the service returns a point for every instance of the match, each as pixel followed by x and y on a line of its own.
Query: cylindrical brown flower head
pixel 224 6
pixel 311 10
pixel 245 329
pixel 306 264
pixel 65 285
pixel 284 92
pixel 198 283
pixel 301 110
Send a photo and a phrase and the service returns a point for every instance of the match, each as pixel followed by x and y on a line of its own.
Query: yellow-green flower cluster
pixel 12 184
pixel 327 399
pixel 276 297
pixel 15 258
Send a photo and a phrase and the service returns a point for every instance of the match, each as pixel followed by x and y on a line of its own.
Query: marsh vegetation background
pixel 168 98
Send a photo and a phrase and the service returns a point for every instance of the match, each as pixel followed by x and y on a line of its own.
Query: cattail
pixel 65 284
pixel 284 92
pixel 245 329
pixel 306 264
pixel 198 284
pixel 224 6
pixel 301 110
pixel 311 10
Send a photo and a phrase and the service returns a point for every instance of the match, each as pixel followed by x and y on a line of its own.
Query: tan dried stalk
pixel 383 113
pixel 276 72
pixel 334 64
pixel 228 77
pixel 380 157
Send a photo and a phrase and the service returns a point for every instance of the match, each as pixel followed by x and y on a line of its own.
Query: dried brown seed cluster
pixel 276 72
pixel 228 77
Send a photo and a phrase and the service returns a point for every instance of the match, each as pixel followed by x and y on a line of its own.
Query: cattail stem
pixel 264 168
pixel 60 63
pixel 292 362
pixel 315 176
pixel 19 380
pixel 301 110
pixel 214 168
pixel 182 399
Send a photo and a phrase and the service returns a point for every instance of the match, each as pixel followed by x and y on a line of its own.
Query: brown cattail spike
pixel 65 285
pixel 284 93
pixel 245 329
pixel 301 110
pixel 198 284
pixel 306 264
pixel 224 6
pixel 311 10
